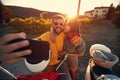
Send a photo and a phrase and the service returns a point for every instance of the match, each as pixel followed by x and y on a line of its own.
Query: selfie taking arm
pixel 6 50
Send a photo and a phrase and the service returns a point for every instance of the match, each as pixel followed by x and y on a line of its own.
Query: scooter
pixel 108 77
pixel 101 63
pixel 50 75
pixel 91 75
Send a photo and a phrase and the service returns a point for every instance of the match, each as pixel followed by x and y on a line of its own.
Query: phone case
pixel 40 50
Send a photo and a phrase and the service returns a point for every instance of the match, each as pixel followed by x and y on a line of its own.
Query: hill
pixel 25 12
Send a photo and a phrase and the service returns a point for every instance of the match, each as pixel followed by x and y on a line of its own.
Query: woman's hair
pixel 74 24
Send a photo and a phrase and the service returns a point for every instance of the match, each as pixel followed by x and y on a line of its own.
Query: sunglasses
pixel 56 23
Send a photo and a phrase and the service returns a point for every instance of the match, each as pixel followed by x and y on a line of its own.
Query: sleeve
pixel 44 36
pixel 70 48
pixel 80 49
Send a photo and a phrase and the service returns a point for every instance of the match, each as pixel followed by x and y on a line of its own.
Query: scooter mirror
pixel 108 77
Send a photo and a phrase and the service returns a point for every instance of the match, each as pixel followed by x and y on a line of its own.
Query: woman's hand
pixel 62 53
pixel 6 50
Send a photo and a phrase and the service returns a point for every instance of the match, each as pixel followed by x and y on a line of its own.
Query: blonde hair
pixel 58 16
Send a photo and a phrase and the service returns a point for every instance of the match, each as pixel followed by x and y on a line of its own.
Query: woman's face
pixel 67 28
pixel 71 27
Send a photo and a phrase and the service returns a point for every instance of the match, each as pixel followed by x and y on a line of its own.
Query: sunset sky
pixel 64 6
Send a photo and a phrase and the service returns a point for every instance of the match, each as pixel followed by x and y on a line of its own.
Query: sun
pixel 71 15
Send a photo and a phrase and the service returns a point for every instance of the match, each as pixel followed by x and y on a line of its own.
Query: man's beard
pixel 58 30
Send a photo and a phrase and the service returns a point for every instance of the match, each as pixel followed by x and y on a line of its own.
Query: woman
pixel 74 45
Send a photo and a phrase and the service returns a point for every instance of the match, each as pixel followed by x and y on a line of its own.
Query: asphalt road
pixel 103 32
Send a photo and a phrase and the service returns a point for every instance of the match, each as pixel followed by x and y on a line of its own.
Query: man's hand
pixel 6 54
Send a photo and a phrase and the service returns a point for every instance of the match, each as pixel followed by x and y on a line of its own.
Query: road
pixel 103 32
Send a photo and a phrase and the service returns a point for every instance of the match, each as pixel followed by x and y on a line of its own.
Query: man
pixel 56 39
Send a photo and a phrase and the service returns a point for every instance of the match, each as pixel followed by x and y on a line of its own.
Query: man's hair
pixel 58 16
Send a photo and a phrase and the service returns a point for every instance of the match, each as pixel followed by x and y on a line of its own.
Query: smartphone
pixel 40 50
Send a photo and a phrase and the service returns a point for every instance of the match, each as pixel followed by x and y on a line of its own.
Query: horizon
pixel 28 7
pixel 55 6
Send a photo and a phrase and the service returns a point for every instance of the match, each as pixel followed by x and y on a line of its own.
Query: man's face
pixel 58 25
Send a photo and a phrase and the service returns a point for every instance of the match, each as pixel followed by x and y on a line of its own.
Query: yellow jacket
pixel 55 47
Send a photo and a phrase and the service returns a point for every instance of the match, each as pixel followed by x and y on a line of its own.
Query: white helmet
pixel 100 47
pixel 38 67
pixel 102 56
pixel 40 57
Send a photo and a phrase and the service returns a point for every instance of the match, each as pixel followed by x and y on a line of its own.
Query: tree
pixel 5 13
pixel 116 16
pixel 110 12
pixel 117 10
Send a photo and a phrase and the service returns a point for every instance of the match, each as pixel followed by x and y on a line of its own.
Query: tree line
pixel 114 14
pixel 6 16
